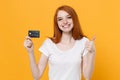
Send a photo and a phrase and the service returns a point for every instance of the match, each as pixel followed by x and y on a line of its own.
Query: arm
pixel 88 65
pixel 37 70
pixel 88 59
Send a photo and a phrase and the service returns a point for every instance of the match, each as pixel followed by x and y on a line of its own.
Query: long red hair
pixel 76 31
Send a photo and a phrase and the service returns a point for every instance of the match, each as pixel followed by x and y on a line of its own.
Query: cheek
pixel 71 21
pixel 59 23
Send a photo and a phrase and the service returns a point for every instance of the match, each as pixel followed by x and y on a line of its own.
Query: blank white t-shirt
pixel 64 65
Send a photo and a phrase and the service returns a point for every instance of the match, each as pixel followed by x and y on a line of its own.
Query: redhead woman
pixel 69 52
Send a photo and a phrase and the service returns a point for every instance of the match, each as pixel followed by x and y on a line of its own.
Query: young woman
pixel 69 52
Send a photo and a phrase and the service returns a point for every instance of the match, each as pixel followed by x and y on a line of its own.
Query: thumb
pixel 93 38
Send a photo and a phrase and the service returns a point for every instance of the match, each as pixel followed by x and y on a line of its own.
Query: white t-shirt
pixel 64 65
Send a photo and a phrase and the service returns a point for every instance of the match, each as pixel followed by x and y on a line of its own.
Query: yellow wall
pixel 99 17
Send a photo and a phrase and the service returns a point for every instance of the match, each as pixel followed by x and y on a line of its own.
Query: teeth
pixel 66 25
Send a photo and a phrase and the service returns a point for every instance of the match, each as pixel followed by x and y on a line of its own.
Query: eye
pixel 59 19
pixel 69 17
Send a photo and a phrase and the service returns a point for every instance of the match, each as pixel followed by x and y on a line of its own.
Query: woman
pixel 69 52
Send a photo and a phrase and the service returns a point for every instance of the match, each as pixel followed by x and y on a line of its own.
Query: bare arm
pixel 88 65
pixel 37 70
pixel 88 60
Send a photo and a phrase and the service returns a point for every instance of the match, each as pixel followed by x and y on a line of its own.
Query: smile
pixel 66 26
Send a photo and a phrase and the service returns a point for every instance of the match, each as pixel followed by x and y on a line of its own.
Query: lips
pixel 66 26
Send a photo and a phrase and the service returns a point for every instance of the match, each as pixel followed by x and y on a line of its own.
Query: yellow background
pixel 99 17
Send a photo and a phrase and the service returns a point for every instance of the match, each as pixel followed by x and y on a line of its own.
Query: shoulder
pixel 47 41
pixel 83 39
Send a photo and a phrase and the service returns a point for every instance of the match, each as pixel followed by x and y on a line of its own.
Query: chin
pixel 67 31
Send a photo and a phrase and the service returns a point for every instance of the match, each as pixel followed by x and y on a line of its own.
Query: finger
pixel 25 44
pixel 93 38
pixel 87 44
pixel 28 38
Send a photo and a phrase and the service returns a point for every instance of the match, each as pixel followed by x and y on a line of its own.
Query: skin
pixel 65 24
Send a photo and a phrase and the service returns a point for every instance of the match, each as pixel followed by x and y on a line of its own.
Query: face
pixel 64 20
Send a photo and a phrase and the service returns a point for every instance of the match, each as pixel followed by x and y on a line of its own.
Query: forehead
pixel 62 13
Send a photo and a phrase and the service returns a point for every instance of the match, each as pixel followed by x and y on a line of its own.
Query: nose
pixel 65 21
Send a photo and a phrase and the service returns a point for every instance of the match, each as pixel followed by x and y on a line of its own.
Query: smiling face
pixel 64 21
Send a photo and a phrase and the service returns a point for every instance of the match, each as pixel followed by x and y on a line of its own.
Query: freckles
pixel 59 23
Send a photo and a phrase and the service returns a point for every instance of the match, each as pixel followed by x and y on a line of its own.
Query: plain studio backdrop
pixel 99 17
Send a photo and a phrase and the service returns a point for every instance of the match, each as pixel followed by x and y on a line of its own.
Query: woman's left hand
pixel 90 45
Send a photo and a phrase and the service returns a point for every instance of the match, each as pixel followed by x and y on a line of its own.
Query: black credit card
pixel 34 33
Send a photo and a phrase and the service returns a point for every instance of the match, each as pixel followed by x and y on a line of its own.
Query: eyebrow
pixel 67 15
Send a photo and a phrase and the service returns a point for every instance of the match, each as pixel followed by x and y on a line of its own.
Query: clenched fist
pixel 28 44
pixel 90 45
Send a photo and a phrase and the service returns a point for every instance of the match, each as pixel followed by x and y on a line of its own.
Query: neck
pixel 66 38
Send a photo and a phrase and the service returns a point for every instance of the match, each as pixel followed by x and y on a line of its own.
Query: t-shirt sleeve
pixel 85 50
pixel 45 47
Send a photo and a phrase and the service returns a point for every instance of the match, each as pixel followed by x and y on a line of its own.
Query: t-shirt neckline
pixel 66 51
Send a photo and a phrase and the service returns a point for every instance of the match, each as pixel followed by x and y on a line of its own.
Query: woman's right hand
pixel 28 44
